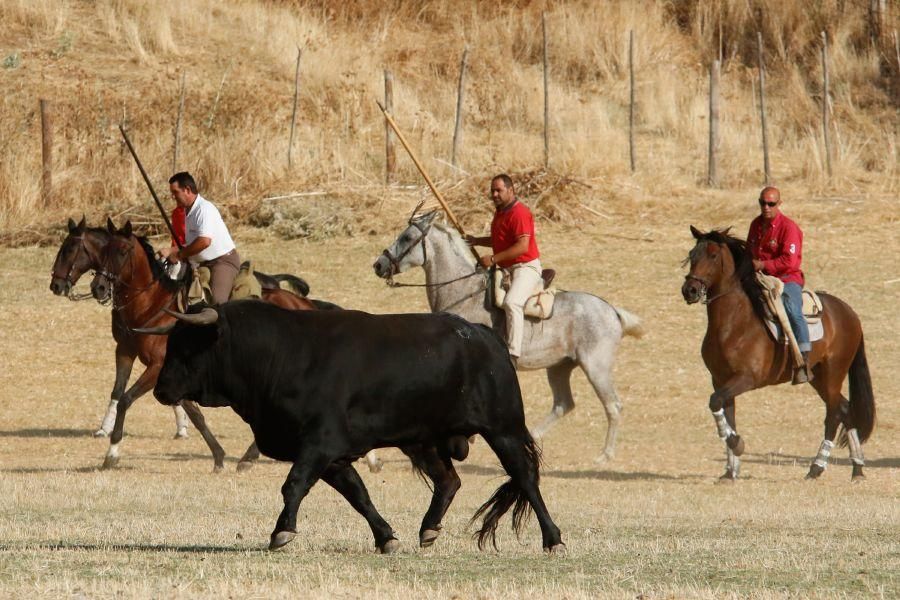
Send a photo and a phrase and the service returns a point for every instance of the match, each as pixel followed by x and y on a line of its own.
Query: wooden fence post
pixel 294 111
pixel 46 152
pixel 825 102
pixel 459 105
pixel 546 95
pixel 762 107
pixel 713 177
pixel 177 140
pixel 390 162
pixel 631 100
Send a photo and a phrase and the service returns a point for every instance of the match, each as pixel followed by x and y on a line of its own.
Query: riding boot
pixel 803 374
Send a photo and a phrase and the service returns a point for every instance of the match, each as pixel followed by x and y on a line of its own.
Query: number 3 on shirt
pixel 793 248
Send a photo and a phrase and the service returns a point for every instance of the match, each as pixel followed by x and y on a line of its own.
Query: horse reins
pixel 395 261
pixel 68 279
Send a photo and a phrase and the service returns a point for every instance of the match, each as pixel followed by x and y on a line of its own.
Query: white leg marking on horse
pixel 113 451
pixel 856 452
pixel 733 462
pixel 824 453
pixel 373 461
pixel 108 420
pixel 722 425
pixel 181 422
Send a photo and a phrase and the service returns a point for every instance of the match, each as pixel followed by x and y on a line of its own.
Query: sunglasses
pixel 769 204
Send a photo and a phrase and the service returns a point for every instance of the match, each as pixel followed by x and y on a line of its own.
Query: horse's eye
pixel 406 237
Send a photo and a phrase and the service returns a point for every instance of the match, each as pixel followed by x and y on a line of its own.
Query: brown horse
pixel 130 277
pixel 742 356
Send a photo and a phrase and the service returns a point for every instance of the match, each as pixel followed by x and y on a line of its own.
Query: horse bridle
pixel 68 278
pixel 395 260
pixel 704 288
pixel 115 279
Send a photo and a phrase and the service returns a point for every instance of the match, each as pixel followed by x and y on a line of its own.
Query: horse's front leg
pixel 125 357
pixel 721 404
pixel 144 384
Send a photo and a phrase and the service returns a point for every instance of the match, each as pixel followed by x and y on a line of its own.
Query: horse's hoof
pixel 736 444
pixel 814 471
pixel 281 539
pixel 858 478
pixel 110 462
pixel 428 537
pixel 389 547
pixel 376 466
pixel 603 458
pixel 218 468
pixel 557 550
pixel 244 465
pixel 101 433
pixel 727 478
pixel 181 434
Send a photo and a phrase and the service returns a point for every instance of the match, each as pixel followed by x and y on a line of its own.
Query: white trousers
pixel 524 280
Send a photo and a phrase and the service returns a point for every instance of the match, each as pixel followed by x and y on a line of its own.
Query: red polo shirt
pixel 779 246
pixel 178 224
pixel 509 225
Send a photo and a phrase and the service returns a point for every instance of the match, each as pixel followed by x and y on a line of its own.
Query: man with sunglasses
pixel 776 244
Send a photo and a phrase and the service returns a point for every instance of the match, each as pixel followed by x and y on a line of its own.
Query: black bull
pixel 320 389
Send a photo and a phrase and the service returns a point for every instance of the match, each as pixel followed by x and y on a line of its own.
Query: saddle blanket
pixel 771 288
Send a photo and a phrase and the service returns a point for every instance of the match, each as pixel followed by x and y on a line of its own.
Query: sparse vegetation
pixel 106 62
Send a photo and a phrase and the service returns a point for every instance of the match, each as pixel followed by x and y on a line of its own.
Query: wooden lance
pixel 159 205
pixel 430 183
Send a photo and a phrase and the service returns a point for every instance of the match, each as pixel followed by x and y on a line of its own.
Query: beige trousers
pixel 524 280
pixel 222 272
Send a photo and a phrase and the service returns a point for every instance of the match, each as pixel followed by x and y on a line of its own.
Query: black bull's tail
pixel 509 495
pixel 862 399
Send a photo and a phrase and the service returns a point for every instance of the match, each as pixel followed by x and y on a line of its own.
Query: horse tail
pixel 862 399
pixel 292 284
pixel 631 324
pixel 509 495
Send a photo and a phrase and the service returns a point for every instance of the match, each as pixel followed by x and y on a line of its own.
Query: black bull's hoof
pixel 281 538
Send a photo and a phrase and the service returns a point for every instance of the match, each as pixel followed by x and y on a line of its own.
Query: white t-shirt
pixel 203 220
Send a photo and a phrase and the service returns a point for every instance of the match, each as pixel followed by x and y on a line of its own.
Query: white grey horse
pixel 584 330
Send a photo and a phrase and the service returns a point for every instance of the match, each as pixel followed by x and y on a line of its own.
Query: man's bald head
pixel 769 203
pixel 770 194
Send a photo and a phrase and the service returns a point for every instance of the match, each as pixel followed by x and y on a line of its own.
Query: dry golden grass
pixel 104 62
pixel 651 524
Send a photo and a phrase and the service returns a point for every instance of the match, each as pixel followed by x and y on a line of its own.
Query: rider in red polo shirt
pixel 776 244
pixel 515 249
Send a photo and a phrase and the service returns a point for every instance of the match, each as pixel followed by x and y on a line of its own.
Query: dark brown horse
pixel 742 356
pixel 130 277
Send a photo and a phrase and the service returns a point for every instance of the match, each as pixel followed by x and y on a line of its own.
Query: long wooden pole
pixel 713 178
pixel 546 95
pixel 459 105
pixel 177 140
pixel 825 102
pixel 294 111
pixel 434 190
pixel 631 100
pixel 46 152
pixel 762 106
pixel 159 205
pixel 390 153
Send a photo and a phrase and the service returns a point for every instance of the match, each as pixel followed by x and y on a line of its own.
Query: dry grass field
pixel 650 524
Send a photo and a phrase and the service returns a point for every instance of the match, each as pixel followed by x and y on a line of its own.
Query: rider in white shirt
pixel 207 240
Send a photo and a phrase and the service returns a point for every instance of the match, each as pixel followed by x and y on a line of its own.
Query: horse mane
pixel 458 244
pixel 743 264
pixel 159 273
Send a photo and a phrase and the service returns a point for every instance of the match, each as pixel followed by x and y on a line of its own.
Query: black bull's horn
pixel 207 316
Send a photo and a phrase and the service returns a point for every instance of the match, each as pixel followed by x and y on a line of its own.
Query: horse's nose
pixel 377 268
pixel 689 293
pixel 56 287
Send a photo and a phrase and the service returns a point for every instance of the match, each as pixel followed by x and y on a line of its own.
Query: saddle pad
pixel 816 331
